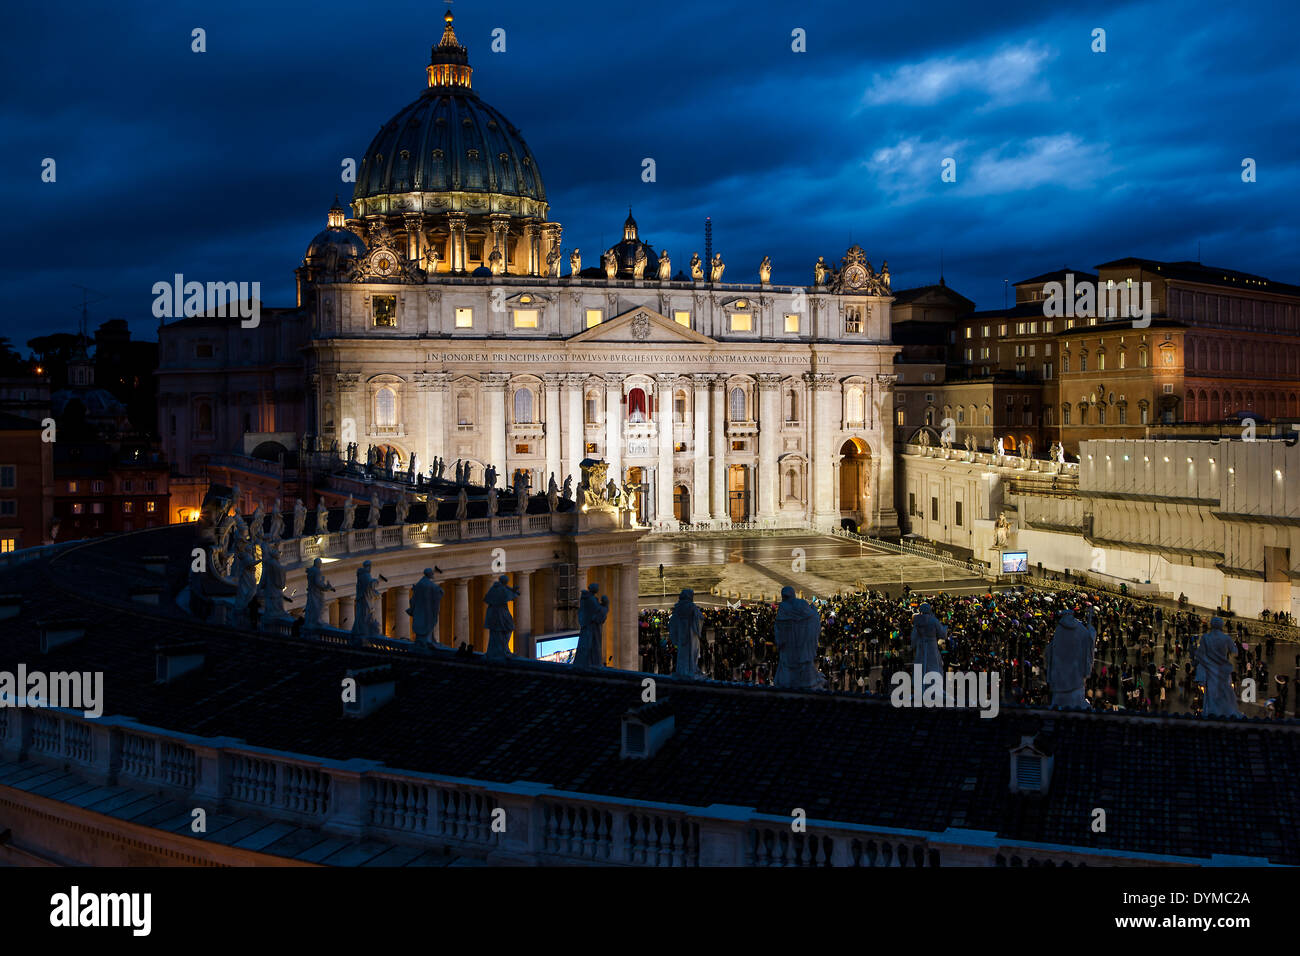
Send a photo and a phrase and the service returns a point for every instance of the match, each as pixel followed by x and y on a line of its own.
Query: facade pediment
pixel 641 325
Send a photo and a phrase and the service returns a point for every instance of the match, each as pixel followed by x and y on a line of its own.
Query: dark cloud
pixel 221 165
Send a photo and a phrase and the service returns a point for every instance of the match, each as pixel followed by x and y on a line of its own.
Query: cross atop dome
pixel 449 61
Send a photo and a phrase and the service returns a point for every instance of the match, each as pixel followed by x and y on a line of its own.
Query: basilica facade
pixel 447 319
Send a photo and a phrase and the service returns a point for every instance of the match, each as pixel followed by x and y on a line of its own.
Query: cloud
pixel 1011 74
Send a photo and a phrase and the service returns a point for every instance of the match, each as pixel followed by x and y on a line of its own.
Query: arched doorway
pixel 682 503
pixel 855 480
pixel 738 492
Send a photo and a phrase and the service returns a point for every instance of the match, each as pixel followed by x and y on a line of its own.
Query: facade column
pixel 882 492
pixel 717 450
pixel 614 426
pixel 575 419
pixel 456 253
pixel 460 608
pixel 767 475
pixel 700 448
pixel 824 500
pixel 494 384
pixel 627 649
pixel 551 389
pixel 523 643
pixel 401 620
pixel 664 469
pixel 435 442
pixel 347 612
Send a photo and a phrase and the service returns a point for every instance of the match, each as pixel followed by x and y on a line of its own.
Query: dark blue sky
pixel 221 165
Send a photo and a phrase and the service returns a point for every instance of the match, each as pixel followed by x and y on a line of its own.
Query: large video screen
pixel 1013 562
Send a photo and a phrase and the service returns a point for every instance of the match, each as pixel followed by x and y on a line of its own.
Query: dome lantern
pixel 449 61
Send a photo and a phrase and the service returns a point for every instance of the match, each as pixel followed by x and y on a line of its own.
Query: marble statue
pixel 317 613
pixel 567 491
pixel 1214 670
pixel 462 504
pixel 299 517
pixel 390 462
pixel 611 492
pixel 552 495
pixel 697 269
pixel 271 587
pixel 322 517
pixel 349 515
pixel 665 267
pixel 412 467
pixel 403 509
pixel 1068 660
pixel 365 622
pixel 521 495
pixel 611 264
pixel 926 632
pixel 639 263
pixel 277 526
pixel 494 262
pixel 1027 449
pixel 575 261
pixel 798 627
pixel 945 440
pixel 492 501
pixel 257 523
pixel 372 519
pixel 1000 530
pixel 765 270
pixel 553 262
pixel 490 476
pixel 497 619
pixel 716 267
pixel 884 274
pixel 591 626
pixel 1060 453
pixel 426 604
pixel 245 569
pixel 684 631
pixel 819 271
pixel 999 450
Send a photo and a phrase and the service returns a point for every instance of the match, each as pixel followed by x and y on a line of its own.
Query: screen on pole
pixel 1014 562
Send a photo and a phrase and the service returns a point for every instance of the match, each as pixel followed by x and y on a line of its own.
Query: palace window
pixel 1065 414
pixel 592 409
pixel 385 408
pixel 852 319
pixel 742 322
pixel 464 318
pixel 476 249
pixel 203 417
pixel 738 405
pixel 524 406
pixel 464 409
pixel 791 483
pixel 384 311
pixel 636 405
pixel 682 317
pixel 900 415
pixel 679 407
pixel 792 322
pixel 526 318
pixel 792 406
pixel 594 317
pixel 854 406
pixel 8 508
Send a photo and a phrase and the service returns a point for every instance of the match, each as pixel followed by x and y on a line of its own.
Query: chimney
pixel 56 633
pixel 375 686
pixel 646 729
pixel 178 658
pixel 1031 765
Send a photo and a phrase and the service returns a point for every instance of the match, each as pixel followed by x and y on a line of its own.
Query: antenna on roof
pixel 708 240
pixel 85 302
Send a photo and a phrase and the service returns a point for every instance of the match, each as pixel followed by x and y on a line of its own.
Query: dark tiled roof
pixel 1170 786
pixel 1211 275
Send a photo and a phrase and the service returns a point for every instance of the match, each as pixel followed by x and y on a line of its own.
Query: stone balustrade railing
pixel 304 550
pixel 1045 466
pixel 525 822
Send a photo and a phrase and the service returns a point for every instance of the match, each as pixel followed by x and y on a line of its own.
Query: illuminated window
pixel 7 545
pixel 594 317
pixel 524 407
pixel 150 506
pixel 742 322
pixel 679 446
pixel 738 405
pixel 384 311
pixel 72 487
pixel 853 318
pixel 521 449
pixel 682 317
pixel 476 249
pixel 128 507
pixel 77 507
pixel 901 414
pixel 464 318
pixel 526 318
pixel 792 321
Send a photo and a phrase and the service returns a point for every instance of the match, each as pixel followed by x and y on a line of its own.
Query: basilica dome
pixel 449 151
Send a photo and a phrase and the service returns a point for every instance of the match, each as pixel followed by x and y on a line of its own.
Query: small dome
pixel 625 252
pixel 335 243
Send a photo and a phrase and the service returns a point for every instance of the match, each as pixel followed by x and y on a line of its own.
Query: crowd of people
pixel 1145 653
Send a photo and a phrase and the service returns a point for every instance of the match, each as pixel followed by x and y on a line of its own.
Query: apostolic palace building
pixel 447 318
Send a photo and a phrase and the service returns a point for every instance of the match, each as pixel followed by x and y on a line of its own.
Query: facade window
pixel 791 484
pixel 8 508
pixel 679 407
pixel 1123 415
pixel 384 311
pixel 1143 413
pixel 475 251
pixel 203 418
pixel 792 322
pixel 8 544
pixel 738 405
pixel 742 322
pixel 1123 359
pixel 128 507
pixel 956 517
pixel 1083 362
pixel 1065 362
pixel 934 509
pixel 78 507
pixel 464 318
pixel 525 318
pixel 594 318
pixel 1101 415
pixel 854 409
pixel 524 407
pixel 72 487
pixel 1065 414
pixel 128 485
pixel 1169 356
pixel 682 317
pixel 911 504
pixel 385 408
pixel 636 405
pixel 592 413
pixel 852 319
pixel 464 409
pixel 151 506
pixel 1142 357
pixel 792 406
pixel 97 508
pixel 900 415
pixel 1047 370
